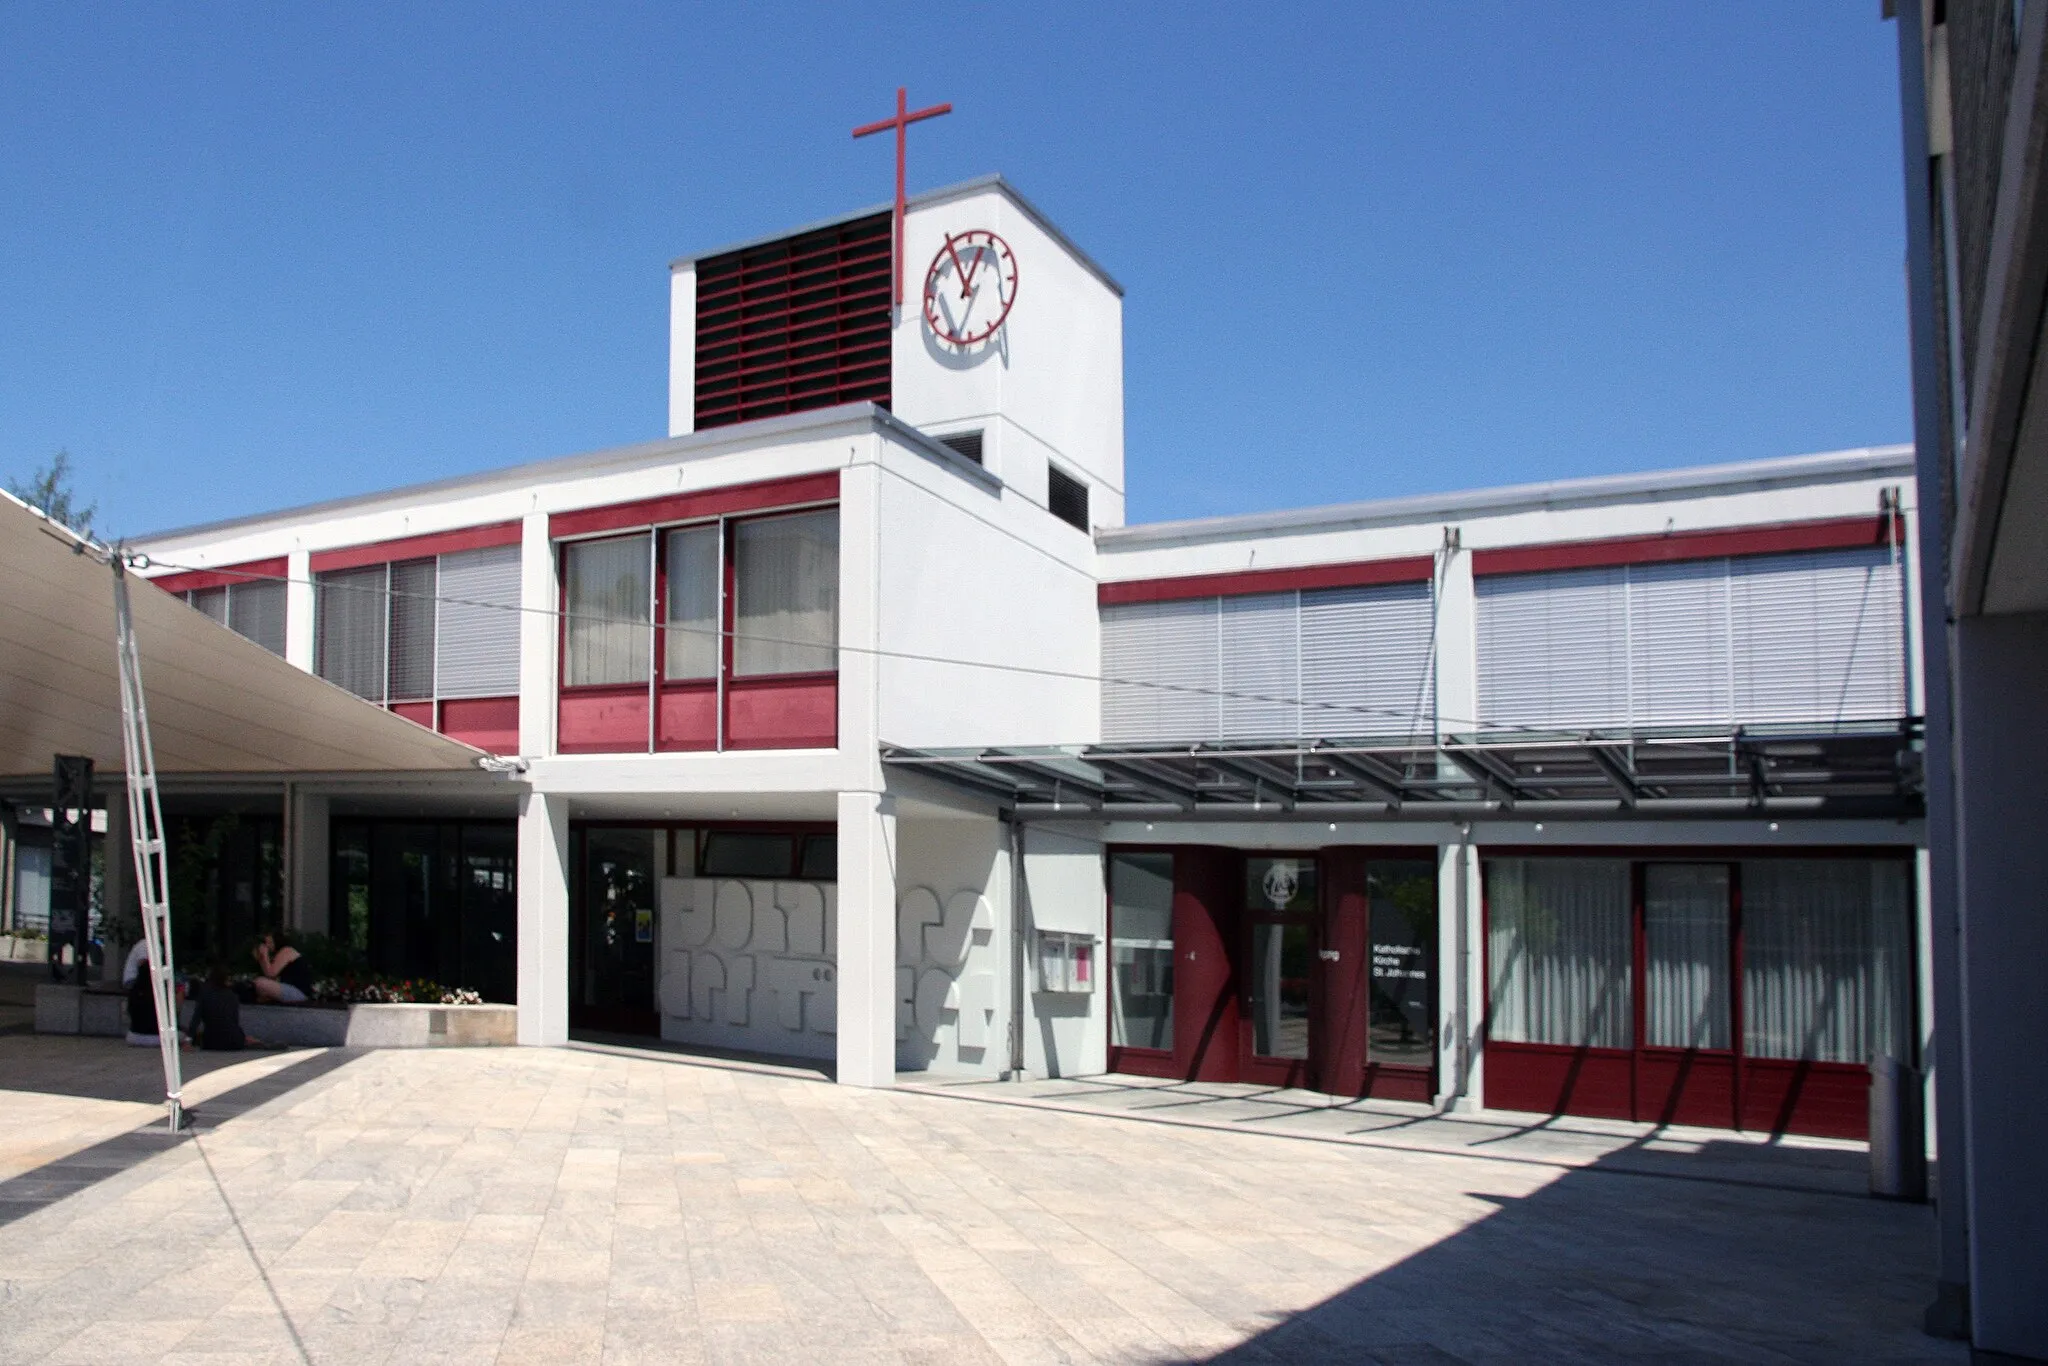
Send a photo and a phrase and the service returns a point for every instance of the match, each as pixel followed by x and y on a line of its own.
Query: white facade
pixel 970 613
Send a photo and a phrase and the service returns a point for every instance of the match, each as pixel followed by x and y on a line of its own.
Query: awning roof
pixel 218 704
pixel 1871 770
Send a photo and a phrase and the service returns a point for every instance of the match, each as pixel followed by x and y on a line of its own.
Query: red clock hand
pixel 958 268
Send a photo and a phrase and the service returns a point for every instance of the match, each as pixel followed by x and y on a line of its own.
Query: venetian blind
pixel 1368 661
pixel 256 611
pixel 350 632
pixel 477 641
pixel 1161 671
pixel 413 590
pixel 1813 637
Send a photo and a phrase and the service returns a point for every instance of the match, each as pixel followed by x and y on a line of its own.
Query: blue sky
pixel 255 255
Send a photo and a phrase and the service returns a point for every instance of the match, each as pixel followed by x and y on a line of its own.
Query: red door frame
pixel 1205 1004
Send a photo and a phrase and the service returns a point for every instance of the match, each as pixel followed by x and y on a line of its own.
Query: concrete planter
pixel 384 1026
pixel 20 948
pixel 72 1010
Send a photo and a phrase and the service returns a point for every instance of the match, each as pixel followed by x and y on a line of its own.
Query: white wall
pixel 1066 1033
pixel 682 349
pixel 970 573
pixel 1049 384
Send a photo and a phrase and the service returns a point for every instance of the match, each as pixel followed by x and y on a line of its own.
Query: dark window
pixel 730 853
pixel 794 324
pixel 1066 497
pixel 821 858
pixel 965 444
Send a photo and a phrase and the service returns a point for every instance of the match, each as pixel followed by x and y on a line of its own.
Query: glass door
pixel 612 932
pixel 1282 907
pixel 1401 1021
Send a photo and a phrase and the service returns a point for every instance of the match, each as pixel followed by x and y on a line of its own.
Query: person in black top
pixel 142 1009
pixel 286 979
pixel 217 1024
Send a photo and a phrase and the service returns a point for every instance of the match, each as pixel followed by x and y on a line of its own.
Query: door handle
pixel 1328 955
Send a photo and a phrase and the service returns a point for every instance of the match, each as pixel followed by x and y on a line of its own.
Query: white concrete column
pixel 537 631
pixel 682 351
pixel 312 856
pixel 300 603
pixel 543 919
pixel 1457 642
pixel 867 939
pixel 1461 988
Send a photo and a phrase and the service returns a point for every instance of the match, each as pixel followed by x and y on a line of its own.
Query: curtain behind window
pixel 1685 950
pixel 1827 959
pixel 693 603
pixel 1558 941
pixel 786 584
pixel 610 611
pixel 351 630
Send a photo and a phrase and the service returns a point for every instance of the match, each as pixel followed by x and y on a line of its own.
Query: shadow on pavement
pixel 1591 1268
pixel 25 1194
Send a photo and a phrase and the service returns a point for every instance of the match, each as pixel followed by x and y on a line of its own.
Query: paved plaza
pixel 620 1205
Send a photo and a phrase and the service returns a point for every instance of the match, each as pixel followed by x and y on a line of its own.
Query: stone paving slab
pixel 579 1205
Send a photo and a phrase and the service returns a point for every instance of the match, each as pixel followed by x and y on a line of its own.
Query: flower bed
pixel 385 991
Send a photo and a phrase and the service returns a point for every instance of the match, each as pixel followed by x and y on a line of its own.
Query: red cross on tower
pixel 905 116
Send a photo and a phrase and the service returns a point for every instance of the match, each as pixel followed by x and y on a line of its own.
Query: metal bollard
pixel 1898 1144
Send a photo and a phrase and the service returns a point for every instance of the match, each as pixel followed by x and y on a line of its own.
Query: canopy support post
pixel 146 834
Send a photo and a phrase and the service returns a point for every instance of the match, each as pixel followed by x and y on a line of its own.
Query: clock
pixel 970 287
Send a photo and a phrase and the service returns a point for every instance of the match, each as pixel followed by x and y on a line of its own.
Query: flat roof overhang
pixel 222 709
pixel 1870 770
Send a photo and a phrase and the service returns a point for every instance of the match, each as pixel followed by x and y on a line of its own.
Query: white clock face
pixel 970 287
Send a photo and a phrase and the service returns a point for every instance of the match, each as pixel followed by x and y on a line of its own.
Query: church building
pixel 852 722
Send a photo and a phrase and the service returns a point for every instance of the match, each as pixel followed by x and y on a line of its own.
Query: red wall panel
pixel 688 718
pixel 192 579
pixel 800 712
pixel 1830 1099
pixel 417 547
pixel 490 723
pixel 1675 1087
pixel 1835 533
pixel 1551 1079
pixel 603 721
pixel 684 507
pixel 1410 569
pixel 419 713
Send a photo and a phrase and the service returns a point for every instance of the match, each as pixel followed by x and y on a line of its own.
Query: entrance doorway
pixel 1315 969
pixel 612 914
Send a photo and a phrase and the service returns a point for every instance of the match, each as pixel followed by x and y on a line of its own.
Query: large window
pixel 694 590
pixel 1827 959
pixel 1822 948
pixel 1141 950
pixel 606 587
pixel 1558 948
pixel 786 586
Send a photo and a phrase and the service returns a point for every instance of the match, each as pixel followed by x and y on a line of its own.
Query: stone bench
pixel 65 1009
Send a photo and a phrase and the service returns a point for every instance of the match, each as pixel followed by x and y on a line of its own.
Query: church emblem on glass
pixel 970 287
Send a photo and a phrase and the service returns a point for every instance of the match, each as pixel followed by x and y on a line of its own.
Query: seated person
pixel 142 1028
pixel 286 979
pixel 138 962
pixel 217 1025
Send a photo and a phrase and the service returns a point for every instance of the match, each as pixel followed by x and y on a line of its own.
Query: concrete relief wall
pixel 952 946
pixel 749 965
pixel 947 1002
